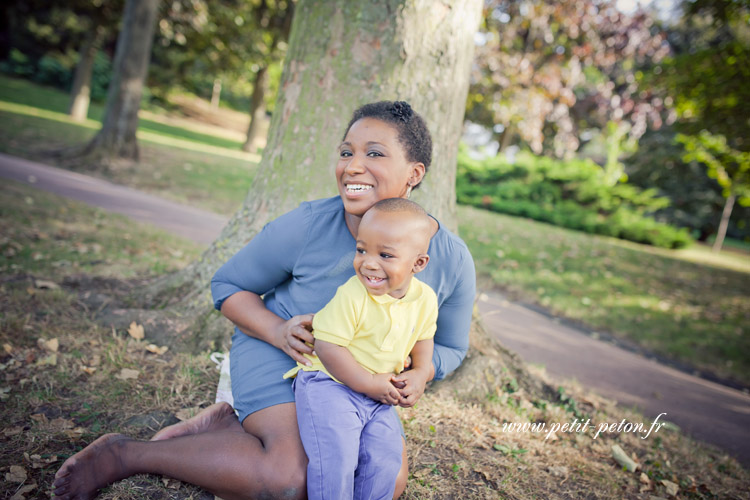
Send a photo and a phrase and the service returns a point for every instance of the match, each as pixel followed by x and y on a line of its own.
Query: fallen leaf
pixel 136 331
pixel 187 413
pixel 644 478
pixel 12 431
pixel 75 433
pixel 88 369
pixel 40 417
pixel 127 374
pixel 49 360
pixel 60 424
pixel 17 474
pixel 623 459
pixel 156 349
pixel 96 360
pixel 46 284
pixel 172 484
pixel 422 473
pixel 672 488
pixel 20 494
pixel 51 345
pixel 37 462
pixel 4 393
pixel 558 471
pixel 8 348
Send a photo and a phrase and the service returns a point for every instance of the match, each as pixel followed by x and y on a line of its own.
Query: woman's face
pixel 372 166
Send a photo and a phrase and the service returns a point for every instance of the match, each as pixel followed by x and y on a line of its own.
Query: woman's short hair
pixel 412 129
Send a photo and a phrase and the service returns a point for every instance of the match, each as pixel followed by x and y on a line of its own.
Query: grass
pixel 63 385
pixel 176 162
pixel 53 237
pixel 38 96
pixel 688 305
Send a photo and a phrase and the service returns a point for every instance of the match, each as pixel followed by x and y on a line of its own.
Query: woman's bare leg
pixel 218 416
pixel 266 460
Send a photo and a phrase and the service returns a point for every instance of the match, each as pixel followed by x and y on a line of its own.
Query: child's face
pixel 389 251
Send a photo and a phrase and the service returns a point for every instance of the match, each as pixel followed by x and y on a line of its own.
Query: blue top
pixel 298 261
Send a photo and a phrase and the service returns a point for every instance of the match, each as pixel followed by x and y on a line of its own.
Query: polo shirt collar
pixel 412 294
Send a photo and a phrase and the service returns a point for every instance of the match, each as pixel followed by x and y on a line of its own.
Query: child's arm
pixel 341 364
pixel 412 382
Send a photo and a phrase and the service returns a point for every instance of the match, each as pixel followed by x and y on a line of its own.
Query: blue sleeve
pixel 267 261
pixel 454 320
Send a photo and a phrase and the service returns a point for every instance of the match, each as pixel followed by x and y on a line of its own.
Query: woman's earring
pixel 408 191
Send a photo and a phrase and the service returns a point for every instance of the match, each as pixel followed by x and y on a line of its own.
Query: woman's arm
pixel 264 263
pixel 248 312
pixel 341 364
pixel 454 319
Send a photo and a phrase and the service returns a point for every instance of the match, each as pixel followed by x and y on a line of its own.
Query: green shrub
pixel 568 193
pixel 57 70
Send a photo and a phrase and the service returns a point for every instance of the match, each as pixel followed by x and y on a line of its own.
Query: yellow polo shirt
pixel 379 330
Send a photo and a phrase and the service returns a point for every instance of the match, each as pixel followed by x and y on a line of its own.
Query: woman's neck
pixel 352 222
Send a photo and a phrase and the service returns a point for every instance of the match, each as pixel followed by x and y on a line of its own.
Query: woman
pixel 296 264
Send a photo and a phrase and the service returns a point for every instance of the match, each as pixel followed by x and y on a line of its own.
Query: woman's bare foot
pixel 94 467
pixel 218 416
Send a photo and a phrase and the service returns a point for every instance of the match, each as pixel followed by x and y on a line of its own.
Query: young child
pixel 363 337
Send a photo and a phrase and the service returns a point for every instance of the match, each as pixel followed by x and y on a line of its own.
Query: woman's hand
pixel 382 390
pixel 411 385
pixel 295 337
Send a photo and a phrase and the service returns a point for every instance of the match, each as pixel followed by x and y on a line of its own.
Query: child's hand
pixel 411 384
pixel 382 390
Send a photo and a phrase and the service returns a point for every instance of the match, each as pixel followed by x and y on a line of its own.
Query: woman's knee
pixel 286 472
pixel 282 471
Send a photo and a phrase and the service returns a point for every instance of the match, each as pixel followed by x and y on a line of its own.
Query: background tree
pixel 45 41
pixel 99 21
pixel 218 46
pixel 116 139
pixel 708 70
pixel 548 70
pixel 730 168
pixel 704 80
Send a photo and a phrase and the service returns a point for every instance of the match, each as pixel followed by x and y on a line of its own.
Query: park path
pixel 190 223
pixel 708 411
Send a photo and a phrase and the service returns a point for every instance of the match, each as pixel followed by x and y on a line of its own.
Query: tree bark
pixel 507 137
pixel 80 94
pixel 257 108
pixel 116 139
pixel 216 94
pixel 725 215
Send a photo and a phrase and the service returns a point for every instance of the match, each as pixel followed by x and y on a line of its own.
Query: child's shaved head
pixel 412 217
pixel 399 205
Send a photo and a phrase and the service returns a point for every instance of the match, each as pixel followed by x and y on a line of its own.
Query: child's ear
pixel 420 263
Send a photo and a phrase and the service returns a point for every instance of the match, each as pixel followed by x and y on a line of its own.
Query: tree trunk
pixel 725 215
pixel 216 94
pixel 257 108
pixel 80 94
pixel 507 137
pixel 116 139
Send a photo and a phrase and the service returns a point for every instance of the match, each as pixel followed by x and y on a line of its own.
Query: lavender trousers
pixel 353 443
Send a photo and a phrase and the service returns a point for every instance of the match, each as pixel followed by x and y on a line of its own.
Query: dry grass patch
pixel 458 449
